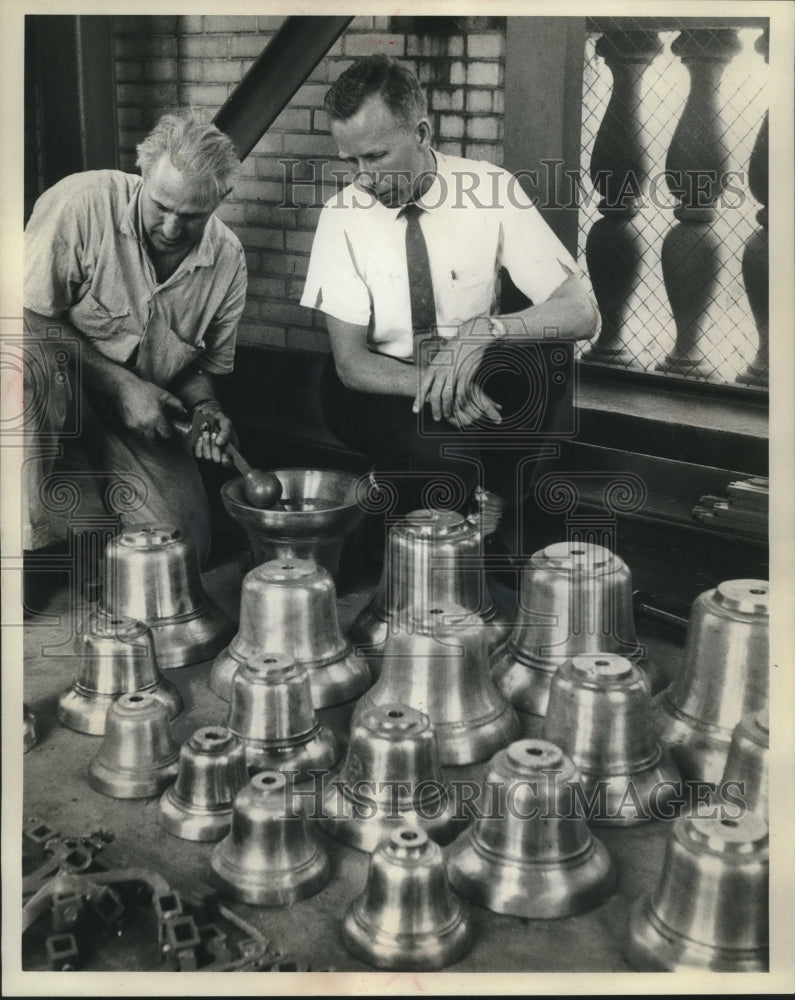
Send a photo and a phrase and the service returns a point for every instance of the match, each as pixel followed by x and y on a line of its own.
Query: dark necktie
pixel 423 305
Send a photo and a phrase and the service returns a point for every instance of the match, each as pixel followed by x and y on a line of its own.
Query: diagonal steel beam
pixel 265 90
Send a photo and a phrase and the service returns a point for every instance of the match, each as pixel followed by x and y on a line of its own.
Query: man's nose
pixel 172 227
pixel 364 175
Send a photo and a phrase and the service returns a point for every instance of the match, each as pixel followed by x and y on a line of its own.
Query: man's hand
pixel 447 380
pixel 212 442
pixel 145 408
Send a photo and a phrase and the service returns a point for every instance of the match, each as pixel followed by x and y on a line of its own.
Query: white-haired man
pixel 149 284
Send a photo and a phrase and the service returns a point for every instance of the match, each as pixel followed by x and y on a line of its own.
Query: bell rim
pixel 648 937
pixel 459 934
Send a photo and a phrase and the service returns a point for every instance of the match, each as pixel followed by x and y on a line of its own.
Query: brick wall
pixel 174 61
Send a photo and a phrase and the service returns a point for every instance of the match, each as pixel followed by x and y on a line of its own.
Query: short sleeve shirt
pixel 476 220
pixel 85 259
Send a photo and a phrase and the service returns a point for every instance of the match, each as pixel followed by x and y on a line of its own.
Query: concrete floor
pixel 56 791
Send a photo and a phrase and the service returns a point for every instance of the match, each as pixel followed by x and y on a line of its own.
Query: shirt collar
pixel 433 195
pixel 200 255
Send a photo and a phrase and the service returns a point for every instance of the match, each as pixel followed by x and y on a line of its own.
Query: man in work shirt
pixel 386 394
pixel 150 284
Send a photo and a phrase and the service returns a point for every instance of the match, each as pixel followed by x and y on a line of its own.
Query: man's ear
pixel 422 131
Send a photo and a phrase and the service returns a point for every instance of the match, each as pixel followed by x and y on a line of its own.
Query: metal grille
pixel 733 340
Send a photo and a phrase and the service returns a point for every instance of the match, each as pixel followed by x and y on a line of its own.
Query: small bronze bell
pixel 439 665
pixel 747 761
pixel 152 575
pixel 710 907
pixel 600 714
pixel 269 858
pixel 434 557
pixel 138 756
pixel 407 917
pixel 271 712
pixel 391 777
pixel 576 598
pixel 724 676
pixel 532 855
pixel 212 770
pixel 116 656
pixel 30 736
pixel 289 606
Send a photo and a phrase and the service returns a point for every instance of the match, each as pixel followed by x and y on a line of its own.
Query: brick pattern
pixel 168 62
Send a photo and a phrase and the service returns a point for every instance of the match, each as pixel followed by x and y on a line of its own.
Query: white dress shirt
pixel 477 219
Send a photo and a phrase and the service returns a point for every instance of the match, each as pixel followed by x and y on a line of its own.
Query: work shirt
pixel 476 219
pixel 85 258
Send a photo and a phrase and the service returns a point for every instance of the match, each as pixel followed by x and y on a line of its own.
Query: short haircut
pixel 397 84
pixel 197 149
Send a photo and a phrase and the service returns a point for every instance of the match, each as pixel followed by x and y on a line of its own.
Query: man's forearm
pixel 193 386
pixel 567 314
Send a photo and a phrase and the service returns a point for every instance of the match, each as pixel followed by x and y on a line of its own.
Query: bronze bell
pixel 152 575
pixel 407 918
pixel 709 909
pixel 747 761
pixel 269 858
pixel 724 676
pixel 531 854
pixel 212 770
pixel 439 665
pixel 434 557
pixel 30 736
pixel 138 756
pixel 391 777
pixel 271 712
pixel 290 606
pixel 116 656
pixel 600 714
pixel 575 598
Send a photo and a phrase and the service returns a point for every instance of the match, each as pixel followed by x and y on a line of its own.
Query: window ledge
pixel 690 423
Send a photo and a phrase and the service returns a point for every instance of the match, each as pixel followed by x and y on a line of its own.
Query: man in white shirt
pixel 404 395
pixel 140 286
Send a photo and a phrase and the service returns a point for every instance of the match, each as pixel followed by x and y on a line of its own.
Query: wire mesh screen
pixel 731 340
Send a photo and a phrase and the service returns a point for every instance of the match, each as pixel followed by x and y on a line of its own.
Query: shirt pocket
pixel 471 292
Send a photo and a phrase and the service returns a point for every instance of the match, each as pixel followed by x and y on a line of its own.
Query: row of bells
pixel 571 664
pixel 575 599
pixel 528 853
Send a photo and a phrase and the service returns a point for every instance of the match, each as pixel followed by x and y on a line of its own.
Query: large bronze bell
pixel 290 606
pixel 434 557
pixel 576 598
pixel 116 656
pixel 138 756
pixel 600 714
pixel 532 854
pixel 391 777
pixel 438 664
pixel 152 575
pixel 407 917
pixel 212 770
pixel 709 909
pixel 271 712
pixel 747 761
pixel 724 676
pixel 269 858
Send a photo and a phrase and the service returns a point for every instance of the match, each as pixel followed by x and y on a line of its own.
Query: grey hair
pixel 197 149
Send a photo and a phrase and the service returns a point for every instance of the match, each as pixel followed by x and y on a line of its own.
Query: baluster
pixel 620 169
pixel 755 255
pixel 693 252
